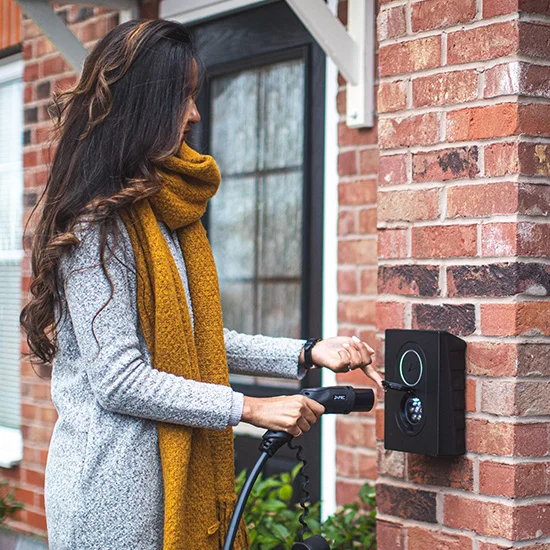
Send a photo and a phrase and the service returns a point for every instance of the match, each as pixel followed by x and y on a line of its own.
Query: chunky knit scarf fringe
pixel 197 463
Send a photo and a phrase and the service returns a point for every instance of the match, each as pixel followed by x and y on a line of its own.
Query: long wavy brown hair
pixel 126 114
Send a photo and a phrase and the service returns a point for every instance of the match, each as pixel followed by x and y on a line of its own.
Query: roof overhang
pixel 351 48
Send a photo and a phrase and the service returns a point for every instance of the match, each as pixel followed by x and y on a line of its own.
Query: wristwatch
pixel 308 346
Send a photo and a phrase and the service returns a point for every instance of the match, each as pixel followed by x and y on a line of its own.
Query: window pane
pixel 255 219
pixel 11 130
pixel 11 204
pixel 280 309
pixel 237 300
pixel 283 128
pixel 10 295
pixel 232 228
pixel 11 208
pixel 281 226
pixel 234 142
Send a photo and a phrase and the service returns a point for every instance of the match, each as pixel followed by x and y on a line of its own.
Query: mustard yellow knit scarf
pixel 197 464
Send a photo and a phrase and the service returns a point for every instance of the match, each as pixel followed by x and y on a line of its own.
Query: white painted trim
pixel 330 283
pixel 192 11
pixel 331 35
pixel 11 70
pixel 360 94
pixel 11 450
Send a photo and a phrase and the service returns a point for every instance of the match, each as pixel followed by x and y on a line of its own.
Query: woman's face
pixel 192 115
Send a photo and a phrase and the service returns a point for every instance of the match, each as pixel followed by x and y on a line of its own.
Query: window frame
pixel 11 454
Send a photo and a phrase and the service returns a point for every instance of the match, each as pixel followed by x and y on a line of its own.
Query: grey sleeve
pixel 259 355
pixel 122 378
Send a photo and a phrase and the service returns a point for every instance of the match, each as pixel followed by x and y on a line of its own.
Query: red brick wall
pixel 463 244
pixel 45 72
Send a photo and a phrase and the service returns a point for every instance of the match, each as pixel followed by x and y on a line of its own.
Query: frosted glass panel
pixel 232 228
pixel 280 309
pixel 255 219
pixel 281 226
pixel 237 306
pixel 235 129
pixel 283 133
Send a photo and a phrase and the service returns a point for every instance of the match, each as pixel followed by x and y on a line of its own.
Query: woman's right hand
pixel 294 414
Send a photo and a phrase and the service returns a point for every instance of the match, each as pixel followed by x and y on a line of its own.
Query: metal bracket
pixel 60 35
pixel 351 49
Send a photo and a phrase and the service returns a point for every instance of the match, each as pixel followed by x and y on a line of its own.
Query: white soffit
pixel 191 11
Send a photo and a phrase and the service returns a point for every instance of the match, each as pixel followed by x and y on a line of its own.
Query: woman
pixel 126 308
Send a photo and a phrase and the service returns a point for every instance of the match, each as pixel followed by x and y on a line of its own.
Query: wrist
pixel 248 408
pixel 307 352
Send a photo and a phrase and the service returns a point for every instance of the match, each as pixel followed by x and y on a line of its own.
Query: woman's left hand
pixel 344 354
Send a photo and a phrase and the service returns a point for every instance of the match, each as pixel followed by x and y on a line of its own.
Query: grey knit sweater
pixel 103 487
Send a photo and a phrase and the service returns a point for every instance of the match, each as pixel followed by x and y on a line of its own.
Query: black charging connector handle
pixel 341 399
pixel 335 399
pixel 397 387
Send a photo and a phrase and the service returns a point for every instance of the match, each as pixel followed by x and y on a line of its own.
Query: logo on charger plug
pixel 340 397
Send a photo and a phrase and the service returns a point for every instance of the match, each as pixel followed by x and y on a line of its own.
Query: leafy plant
pixel 272 519
pixel 8 505
pixel 349 528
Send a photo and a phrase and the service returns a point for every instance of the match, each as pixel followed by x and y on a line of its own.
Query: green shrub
pixel 348 528
pixel 273 524
pixel 8 504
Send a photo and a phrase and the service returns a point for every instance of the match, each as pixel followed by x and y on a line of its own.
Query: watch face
pixel 411 367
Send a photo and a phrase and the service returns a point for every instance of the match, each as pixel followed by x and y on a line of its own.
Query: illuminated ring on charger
pixel 419 362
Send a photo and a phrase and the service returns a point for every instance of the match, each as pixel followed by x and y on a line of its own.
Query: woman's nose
pixel 194 115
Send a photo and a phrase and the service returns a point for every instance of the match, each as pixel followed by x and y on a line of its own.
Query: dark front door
pixel 263 121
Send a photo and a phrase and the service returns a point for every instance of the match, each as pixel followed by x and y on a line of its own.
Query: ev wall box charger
pixel 424 400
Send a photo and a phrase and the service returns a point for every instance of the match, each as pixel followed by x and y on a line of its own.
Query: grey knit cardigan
pixel 103 487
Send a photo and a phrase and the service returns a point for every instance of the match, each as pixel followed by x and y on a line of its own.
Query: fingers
pixel 359 353
pixel 345 361
pixel 363 349
pixel 307 414
pixel 303 425
pixel 373 374
pixel 356 349
pixel 317 408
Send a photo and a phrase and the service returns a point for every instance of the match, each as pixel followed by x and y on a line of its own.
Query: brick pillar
pixel 357 168
pixel 464 241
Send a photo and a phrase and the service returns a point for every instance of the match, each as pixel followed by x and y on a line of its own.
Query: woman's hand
pixel 294 414
pixel 344 354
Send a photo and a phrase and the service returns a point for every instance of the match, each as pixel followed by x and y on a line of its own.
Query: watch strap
pixel 308 347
